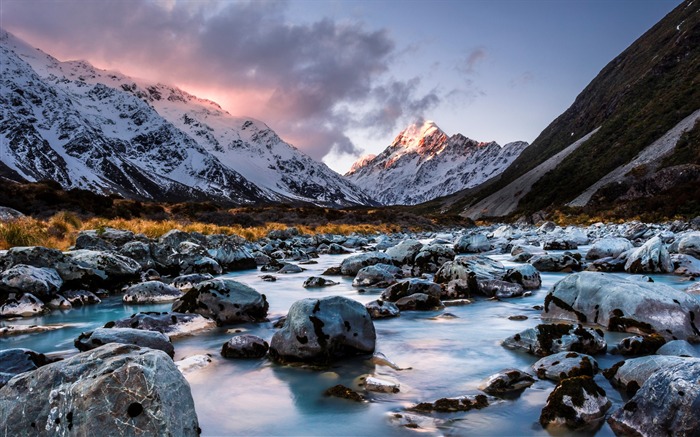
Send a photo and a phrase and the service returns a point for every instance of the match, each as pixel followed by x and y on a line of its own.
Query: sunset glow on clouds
pixel 345 75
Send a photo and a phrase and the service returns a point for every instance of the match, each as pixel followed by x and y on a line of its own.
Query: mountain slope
pixel 103 131
pixel 639 97
pixel 423 163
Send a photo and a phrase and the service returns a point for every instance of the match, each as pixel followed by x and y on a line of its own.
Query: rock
pixel 525 275
pixel 565 365
pixel 101 336
pixel 140 252
pixel 332 271
pixel 36 256
pixel 225 301
pixel 322 330
pixel 193 363
pixel 379 359
pixel 693 289
pixel 317 281
pixel 26 306
pixel 288 268
pixel 635 231
pixel 42 282
pixel 199 264
pixel 378 275
pixel 8 330
pixel 7 214
pixel 174 325
pixel 522 253
pixel 609 264
pixel 622 305
pixel 543 340
pixel 417 422
pixel 335 249
pixel 680 348
pixel 499 289
pixel 686 265
pixel 651 257
pixel 476 243
pixel 380 385
pixel 666 404
pixel 630 375
pixel 639 345
pixel 608 247
pixel 481 268
pixel 452 405
pixel 245 346
pixel 151 292
pixel 79 298
pixel 186 283
pixel 404 252
pixel 564 262
pixel 93 269
pixel 271 278
pixel 506 381
pixel 88 240
pixel 113 390
pixel 340 391
pixel 16 361
pixel 559 244
pixel 431 258
pixel 409 287
pixel 419 302
pixel 150 275
pixel 379 309
pixel 575 403
pixel 352 264
pixel 229 254
pixel 690 245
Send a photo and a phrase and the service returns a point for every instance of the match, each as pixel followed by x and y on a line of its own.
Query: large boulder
pixel 476 243
pixel 113 390
pixel 140 252
pixel 101 336
pixel 379 309
pixel 630 375
pixel 409 287
pixel 576 403
pixel 548 339
pixel 245 346
pixel 352 264
pixel 666 404
pixel 404 252
pixel 431 258
pixel 378 275
pixel 690 245
pixel 174 325
pixel 322 330
pixel 679 348
pixel 19 360
pixel 651 257
pixel 525 275
pixel 560 262
pixel 42 282
pixel 462 267
pixel 229 253
pixel 151 292
pixel 623 305
pixel 608 247
pixel 91 268
pixel 36 256
pixel 27 305
pixel 564 365
pixel 686 265
pixel 506 381
pixel 225 301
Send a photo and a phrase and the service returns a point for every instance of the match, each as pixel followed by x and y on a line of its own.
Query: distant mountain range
pixel 102 131
pixel 423 163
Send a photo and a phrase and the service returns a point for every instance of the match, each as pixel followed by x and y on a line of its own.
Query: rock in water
pixel 622 305
pixel 151 292
pixel 505 381
pixel 322 330
pixel 224 300
pixel 576 403
pixel 631 374
pixel 139 337
pixel 245 346
pixel 42 282
pixel 666 404
pixel 651 257
pixel 380 309
pixel 16 361
pixel 565 365
pixel 173 325
pixel 113 390
pixel 543 340
pixel 608 247
pixel 26 306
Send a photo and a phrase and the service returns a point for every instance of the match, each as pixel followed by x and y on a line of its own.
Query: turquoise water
pixel 448 357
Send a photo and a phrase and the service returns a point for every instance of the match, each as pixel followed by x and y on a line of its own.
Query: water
pixel 448 357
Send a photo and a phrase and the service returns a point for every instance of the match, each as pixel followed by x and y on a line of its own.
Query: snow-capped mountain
pixel 106 132
pixel 423 163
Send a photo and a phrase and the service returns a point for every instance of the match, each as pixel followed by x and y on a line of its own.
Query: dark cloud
pixel 297 78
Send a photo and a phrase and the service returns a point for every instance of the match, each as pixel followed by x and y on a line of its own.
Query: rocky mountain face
pixel 106 132
pixel 423 163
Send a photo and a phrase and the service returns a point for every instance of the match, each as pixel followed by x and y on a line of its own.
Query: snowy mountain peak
pixel 418 137
pixel 361 162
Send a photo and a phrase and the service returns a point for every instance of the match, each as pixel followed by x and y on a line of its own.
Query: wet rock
pixel 525 275
pixel 225 301
pixel 417 422
pixel 690 245
pixel 352 264
pixel 622 305
pixel 476 243
pixel 271 278
pixel 379 359
pixel 19 360
pixel 680 348
pixel 518 317
pixel 651 257
pixel 404 252
pixel 340 391
pixel 639 345
pixel 229 253
pixel 499 289
pixel 193 363
pixel 575 403
pixel 317 281
pixel 8 330
pixel 42 282
pixel 334 249
pixel 506 381
pixel 113 390
pixel 609 264
pixel 452 405
pixel 522 253
pixel 544 339
pixel 322 330
pixel 379 309
pixel 332 271
pixel 630 375
pixel 693 289
pixel 199 264
pixel 379 385
pixel 431 258
pixel 150 292
pixel 608 247
pixel 666 404
pixel 461 276
pixel 186 283
pixel 564 262
pixel 686 265
pixel 409 287
pixel 94 269
pixel 79 298
pixel 419 302
pixel 174 325
pixel 101 336
pixel 378 275
pixel 245 346
pixel 140 252
pixel 36 256
pixel 565 365
pixel 559 244
pixel 27 305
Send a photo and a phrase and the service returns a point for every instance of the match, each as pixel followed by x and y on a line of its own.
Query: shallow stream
pixel 448 356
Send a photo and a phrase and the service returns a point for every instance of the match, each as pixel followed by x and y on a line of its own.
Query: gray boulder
pixel 559 244
pixel 42 282
pixel 27 305
pixel 499 289
pixel 36 256
pixel 525 275
pixel 245 346
pixel 225 301
pixel 639 345
pixel 544 339
pixel 79 298
pixel 476 243
pixel 317 282
pixel 404 252
pixel 608 247
pixel 173 325
pixel 380 309
pixel 151 292
pixel 565 365
pixel 419 302
pixel 686 265
pixel 92 268
pixel 101 336
pixel 431 258
pixel 693 289
pixel 666 404
pixel 19 360
pixel 482 267
pixel 113 390
pixel 506 381
pixel 7 214
pixel 576 403
pixel 409 287
pixel 690 245
pixel 651 257
pixel 562 262
pixel 679 348
pixel 229 253
pixel 622 305
pixel 140 252
pixel 185 283
pixel 630 375
pixel 322 330
pixel 352 264
pixel 378 275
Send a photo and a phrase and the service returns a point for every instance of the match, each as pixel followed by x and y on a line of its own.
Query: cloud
pixel 298 78
pixel 522 80
pixel 473 59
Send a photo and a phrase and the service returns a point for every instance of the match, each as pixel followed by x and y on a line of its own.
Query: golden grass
pixel 60 230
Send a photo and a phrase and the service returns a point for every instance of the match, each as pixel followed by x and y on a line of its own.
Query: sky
pixel 341 78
